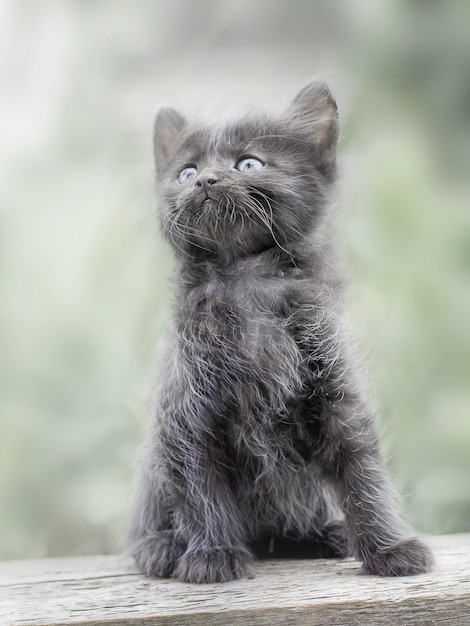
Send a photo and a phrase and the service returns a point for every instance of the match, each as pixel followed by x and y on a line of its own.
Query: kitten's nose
pixel 205 180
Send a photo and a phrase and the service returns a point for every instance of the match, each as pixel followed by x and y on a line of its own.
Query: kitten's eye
pixel 188 172
pixel 249 164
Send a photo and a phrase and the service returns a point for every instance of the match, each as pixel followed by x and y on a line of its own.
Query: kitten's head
pixel 249 185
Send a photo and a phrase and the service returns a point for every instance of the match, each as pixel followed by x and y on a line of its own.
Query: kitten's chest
pixel 230 308
pixel 235 328
pixel 213 310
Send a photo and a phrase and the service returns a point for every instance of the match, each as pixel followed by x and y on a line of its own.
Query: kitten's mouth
pixel 207 201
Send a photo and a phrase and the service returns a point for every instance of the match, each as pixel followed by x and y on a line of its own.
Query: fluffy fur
pixel 260 437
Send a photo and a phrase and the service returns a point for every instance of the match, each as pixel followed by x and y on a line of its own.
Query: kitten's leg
pixel 186 521
pixel 206 516
pixel 151 539
pixel 350 454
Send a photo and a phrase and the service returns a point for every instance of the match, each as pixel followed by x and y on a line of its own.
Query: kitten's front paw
pixel 157 555
pixel 407 558
pixel 212 565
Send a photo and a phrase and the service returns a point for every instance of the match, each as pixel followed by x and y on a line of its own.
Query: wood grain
pixel 109 590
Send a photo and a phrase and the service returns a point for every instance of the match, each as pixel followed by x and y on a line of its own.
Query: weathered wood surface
pixel 108 590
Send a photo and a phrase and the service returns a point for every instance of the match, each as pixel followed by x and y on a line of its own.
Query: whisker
pixel 266 198
pixel 267 220
pixel 176 228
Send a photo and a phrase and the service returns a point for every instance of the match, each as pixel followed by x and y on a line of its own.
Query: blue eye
pixel 249 164
pixel 188 172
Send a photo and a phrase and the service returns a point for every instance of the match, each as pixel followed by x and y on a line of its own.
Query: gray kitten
pixel 260 439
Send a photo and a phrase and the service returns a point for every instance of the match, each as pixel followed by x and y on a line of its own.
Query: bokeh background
pixel 83 272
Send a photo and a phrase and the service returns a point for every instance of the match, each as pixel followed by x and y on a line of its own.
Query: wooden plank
pixel 108 590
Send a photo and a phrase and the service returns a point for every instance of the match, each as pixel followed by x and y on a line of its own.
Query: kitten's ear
pixel 315 108
pixel 169 126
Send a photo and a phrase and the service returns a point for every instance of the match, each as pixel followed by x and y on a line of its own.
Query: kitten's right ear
pixel 314 108
pixel 169 126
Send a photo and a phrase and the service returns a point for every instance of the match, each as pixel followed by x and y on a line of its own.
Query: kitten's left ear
pixel 169 126
pixel 315 108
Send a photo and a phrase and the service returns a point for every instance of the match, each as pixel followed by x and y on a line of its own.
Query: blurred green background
pixel 83 272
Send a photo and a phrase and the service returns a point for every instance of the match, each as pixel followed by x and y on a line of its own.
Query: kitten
pixel 260 432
